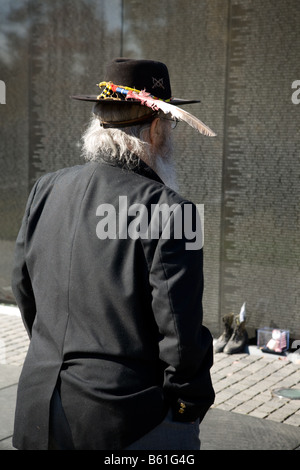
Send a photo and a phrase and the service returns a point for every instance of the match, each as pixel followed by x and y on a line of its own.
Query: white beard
pixel 166 170
pixel 163 162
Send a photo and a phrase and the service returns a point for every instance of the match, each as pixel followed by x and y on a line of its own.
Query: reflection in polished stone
pixel 49 50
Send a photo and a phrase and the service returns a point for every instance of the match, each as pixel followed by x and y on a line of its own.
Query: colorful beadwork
pixel 111 90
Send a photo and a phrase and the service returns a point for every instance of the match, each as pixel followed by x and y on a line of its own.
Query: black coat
pixel 118 320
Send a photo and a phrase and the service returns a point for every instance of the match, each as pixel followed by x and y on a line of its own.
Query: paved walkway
pixel 244 385
pixel 13 337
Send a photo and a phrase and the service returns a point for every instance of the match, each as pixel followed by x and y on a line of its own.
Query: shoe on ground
pixel 239 337
pixel 226 335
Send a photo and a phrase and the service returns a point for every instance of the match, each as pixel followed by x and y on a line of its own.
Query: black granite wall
pixel 240 58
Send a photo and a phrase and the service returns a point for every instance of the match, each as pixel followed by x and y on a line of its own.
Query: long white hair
pixel 129 144
pixel 113 143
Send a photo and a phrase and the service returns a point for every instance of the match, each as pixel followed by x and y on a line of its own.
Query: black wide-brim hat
pixel 142 82
pixel 140 75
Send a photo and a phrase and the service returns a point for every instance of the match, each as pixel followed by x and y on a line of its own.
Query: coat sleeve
pixel 21 283
pixel 185 347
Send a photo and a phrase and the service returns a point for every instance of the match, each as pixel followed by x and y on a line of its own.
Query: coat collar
pixel 145 170
pixel 140 167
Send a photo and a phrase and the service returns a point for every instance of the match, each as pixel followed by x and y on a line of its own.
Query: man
pixel 118 356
